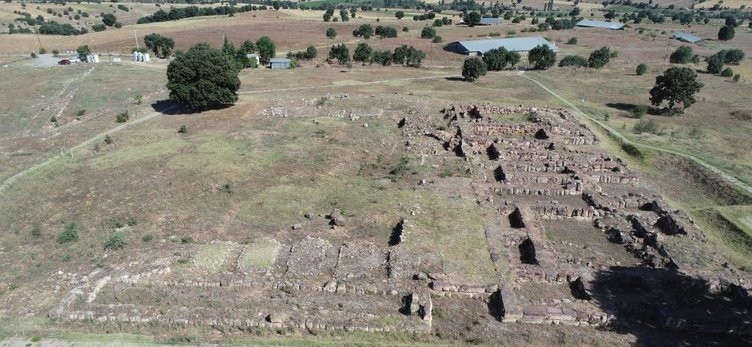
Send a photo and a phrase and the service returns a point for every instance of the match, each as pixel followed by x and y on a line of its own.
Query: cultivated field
pixel 370 205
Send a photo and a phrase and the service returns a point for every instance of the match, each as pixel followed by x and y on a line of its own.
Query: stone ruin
pixel 558 211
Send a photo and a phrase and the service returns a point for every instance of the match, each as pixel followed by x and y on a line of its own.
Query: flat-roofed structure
pixel 589 23
pixel 490 21
pixel 515 44
pixel 685 37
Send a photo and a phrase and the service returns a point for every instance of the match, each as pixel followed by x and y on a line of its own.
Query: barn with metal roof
pixel 490 21
pixel 589 23
pixel 686 37
pixel 516 44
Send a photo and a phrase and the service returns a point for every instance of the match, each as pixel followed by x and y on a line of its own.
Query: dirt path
pixel 741 185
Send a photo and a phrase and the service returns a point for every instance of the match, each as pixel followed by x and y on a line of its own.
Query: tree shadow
pixel 622 106
pixel 170 107
pixel 455 78
pixel 667 308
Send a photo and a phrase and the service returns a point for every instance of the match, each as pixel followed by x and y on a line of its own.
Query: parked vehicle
pixel 64 62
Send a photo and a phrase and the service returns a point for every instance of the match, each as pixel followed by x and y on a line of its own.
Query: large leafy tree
pixel 203 77
pixel 472 19
pixel 542 57
pixel 599 58
pixel 161 45
pixel 363 53
pixel 473 68
pixel 726 33
pixel 266 49
pixel 677 85
pixel 109 19
pixel 682 55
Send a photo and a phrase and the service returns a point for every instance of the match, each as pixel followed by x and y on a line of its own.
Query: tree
pixel 339 52
pixel 161 45
pixel 266 49
pixel 676 85
pixel 731 56
pixel 399 14
pixel 408 56
pixel 641 69
pixel 365 31
pixel 473 68
pixel 331 33
pixel 382 57
pixel 472 19
pixel 428 33
pixel 343 14
pixel 727 72
pixel 600 57
pixel 542 57
pixel 726 33
pixel 715 64
pixel 682 55
pixel 83 51
pixel 496 59
pixel 311 52
pixel 275 5
pixel 109 19
pixel 363 53
pixel 203 77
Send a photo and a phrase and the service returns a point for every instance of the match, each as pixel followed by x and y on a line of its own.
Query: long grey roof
pixel 279 60
pixel 516 44
pixel 599 24
pixel 680 35
pixel 490 21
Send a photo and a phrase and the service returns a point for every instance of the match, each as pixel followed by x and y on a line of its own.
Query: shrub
pixel 186 239
pixel 107 139
pixel 183 129
pixel 641 69
pixel 639 111
pixel 385 32
pixel 727 72
pixel 147 238
pixel 122 117
pixel 428 33
pixel 737 77
pixel 80 113
pixel 681 55
pixel 715 64
pixel 649 126
pixel 69 233
pixel 726 33
pixel 363 53
pixel 365 31
pixel 382 57
pixel 115 242
pixel 339 52
pixel 600 57
pixel 405 29
pixel 573 60
pixel 437 39
pixel 632 150
pixel 331 33
pixel 572 41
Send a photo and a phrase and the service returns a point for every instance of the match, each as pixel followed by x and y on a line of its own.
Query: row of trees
pixel 365 54
pixel 598 59
pixel 177 13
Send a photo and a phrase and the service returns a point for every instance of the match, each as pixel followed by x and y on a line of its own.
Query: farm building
pixel 686 37
pixel 490 21
pixel 589 23
pixel 280 63
pixel 516 44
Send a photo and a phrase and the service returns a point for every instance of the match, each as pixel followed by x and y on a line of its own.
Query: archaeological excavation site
pixel 569 239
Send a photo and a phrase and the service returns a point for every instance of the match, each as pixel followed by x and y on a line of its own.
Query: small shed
pixel 280 63
pixel 253 56
pixel 490 21
pixel 685 37
pixel 589 23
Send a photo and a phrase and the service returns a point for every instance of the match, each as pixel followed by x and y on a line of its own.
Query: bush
pixel 363 53
pixel 186 239
pixel 632 150
pixel 339 52
pixel 473 68
pixel 331 33
pixel 428 33
pixel 183 129
pixel 122 117
pixel 385 32
pixel 641 69
pixel 365 31
pixel 115 242
pixel 727 72
pixel 405 29
pixel 726 33
pixel 715 64
pixel 737 77
pixel 682 55
pixel 600 57
pixel 649 126
pixel 69 233
pixel 639 111
pixel 573 60
pixel 572 41
pixel 107 139
pixel 437 39
pixel 382 57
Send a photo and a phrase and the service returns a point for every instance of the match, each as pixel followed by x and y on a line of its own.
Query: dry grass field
pixel 245 188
